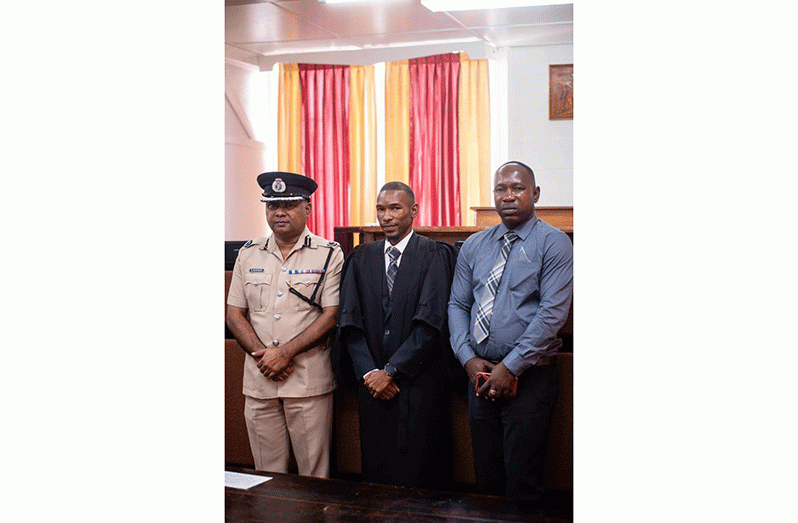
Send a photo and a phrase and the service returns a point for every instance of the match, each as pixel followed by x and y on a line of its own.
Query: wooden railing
pixel 560 217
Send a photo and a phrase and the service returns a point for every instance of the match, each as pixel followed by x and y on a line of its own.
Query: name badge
pixel 256 270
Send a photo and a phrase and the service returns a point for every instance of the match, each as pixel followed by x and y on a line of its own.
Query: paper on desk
pixel 243 481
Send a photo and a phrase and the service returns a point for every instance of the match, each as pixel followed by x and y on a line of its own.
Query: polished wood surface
pixel 291 498
pixel 561 217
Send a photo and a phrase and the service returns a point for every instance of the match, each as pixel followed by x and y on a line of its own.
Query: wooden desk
pixel 369 233
pixel 291 498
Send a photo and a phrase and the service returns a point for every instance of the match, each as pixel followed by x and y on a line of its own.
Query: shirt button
pixel 279 293
pixel 276 316
pixel 283 268
pixel 387 332
pixel 276 342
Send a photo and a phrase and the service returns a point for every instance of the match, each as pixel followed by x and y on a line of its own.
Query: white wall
pixel 545 145
pixel 249 150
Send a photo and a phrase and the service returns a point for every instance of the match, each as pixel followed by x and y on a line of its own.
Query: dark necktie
pixel 485 311
pixel 393 254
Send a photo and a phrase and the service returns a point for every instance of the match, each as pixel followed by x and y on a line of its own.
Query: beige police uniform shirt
pixel 260 283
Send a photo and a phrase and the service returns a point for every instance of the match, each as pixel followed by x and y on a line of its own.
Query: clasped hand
pixel 380 385
pixel 500 384
pixel 274 364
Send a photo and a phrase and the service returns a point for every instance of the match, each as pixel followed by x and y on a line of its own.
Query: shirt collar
pixel 401 245
pixel 522 231
pixel 272 243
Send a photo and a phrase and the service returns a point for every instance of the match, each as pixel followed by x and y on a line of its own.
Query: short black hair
pixel 399 186
pixel 522 164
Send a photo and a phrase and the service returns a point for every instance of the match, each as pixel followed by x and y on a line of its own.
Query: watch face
pixel 390 370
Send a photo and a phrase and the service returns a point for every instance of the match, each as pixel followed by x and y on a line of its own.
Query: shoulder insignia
pixel 248 244
pixel 307 240
pixel 332 244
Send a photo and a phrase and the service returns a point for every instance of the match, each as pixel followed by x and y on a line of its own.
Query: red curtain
pixel 325 143
pixel 434 153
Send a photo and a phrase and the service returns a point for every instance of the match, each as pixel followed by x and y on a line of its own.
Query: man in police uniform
pixel 282 306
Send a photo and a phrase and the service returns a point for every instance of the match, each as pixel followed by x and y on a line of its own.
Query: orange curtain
pixel 474 136
pixel 289 120
pixel 362 145
pixel 397 122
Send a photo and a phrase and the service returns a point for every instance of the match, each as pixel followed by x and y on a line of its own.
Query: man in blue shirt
pixel 510 296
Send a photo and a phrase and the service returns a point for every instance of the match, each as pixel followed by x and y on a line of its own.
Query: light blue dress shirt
pixel 532 301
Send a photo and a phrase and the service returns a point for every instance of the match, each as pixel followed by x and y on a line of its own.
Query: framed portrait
pixel 561 92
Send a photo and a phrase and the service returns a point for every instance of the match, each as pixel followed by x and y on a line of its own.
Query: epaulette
pixel 256 241
pixel 309 241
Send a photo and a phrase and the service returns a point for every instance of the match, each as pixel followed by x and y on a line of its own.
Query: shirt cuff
pixel 369 372
pixel 515 363
pixel 465 353
pixel 241 303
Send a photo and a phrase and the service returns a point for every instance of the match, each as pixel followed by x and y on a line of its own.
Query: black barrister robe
pixel 399 438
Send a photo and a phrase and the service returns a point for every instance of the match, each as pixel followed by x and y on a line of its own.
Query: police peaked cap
pixel 282 186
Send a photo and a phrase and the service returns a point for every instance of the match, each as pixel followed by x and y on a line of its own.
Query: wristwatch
pixel 390 370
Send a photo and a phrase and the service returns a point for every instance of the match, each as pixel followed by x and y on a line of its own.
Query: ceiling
pixel 261 33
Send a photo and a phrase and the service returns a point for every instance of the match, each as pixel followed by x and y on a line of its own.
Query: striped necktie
pixel 393 254
pixel 485 311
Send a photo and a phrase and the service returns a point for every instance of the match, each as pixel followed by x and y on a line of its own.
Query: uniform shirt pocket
pixel 305 284
pixel 256 288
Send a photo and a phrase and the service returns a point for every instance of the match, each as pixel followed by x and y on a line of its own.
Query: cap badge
pixel 278 185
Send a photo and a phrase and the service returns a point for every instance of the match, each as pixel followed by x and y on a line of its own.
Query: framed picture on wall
pixel 561 92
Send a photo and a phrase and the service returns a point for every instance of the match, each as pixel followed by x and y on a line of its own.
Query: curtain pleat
pixel 362 145
pixel 437 137
pixel 474 134
pixel 325 115
pixel 289 120
pixel 397 122
pixel 434 150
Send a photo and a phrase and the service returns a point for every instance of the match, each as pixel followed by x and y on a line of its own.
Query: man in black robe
pixel 392 343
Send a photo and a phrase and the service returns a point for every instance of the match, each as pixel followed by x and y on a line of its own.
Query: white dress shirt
pixel 402 245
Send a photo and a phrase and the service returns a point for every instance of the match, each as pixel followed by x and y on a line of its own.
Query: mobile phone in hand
pixel 482 377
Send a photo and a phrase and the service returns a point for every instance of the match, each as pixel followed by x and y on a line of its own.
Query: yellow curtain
pixel 474 137
pixel 289 120
pixel 397 122
pixel 362 145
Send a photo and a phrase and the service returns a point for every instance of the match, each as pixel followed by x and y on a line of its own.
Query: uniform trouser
pixel 508 437
pixel 277 425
